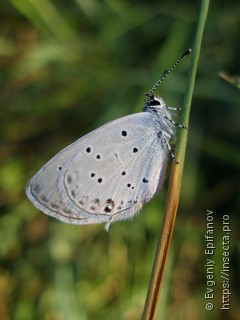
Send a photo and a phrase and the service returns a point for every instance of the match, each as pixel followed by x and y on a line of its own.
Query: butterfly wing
pixel 104 176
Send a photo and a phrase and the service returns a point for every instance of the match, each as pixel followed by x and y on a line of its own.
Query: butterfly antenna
pixel 166 73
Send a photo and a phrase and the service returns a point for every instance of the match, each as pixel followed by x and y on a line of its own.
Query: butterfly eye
pixel 154 102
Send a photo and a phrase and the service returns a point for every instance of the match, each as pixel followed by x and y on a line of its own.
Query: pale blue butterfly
pixel 111 172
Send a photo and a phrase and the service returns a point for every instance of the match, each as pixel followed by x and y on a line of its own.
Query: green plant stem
pixel 150 309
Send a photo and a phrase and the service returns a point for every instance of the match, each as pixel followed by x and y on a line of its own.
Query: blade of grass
pixel 46 17
pixel 150 308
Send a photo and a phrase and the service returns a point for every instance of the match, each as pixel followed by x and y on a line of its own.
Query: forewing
pixel 103 177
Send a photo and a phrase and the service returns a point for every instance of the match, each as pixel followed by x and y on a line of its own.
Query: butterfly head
pixel 154 103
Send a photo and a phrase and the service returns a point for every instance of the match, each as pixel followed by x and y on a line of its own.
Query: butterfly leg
pixel 169 147
pixel 176 124
pixel 172 108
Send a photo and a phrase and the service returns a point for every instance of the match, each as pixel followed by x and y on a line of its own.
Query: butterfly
pixel 108 174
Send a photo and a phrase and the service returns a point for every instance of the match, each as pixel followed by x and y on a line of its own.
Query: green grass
pixel 172 200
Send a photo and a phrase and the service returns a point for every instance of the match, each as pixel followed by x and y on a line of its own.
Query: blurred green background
pixel 67 67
